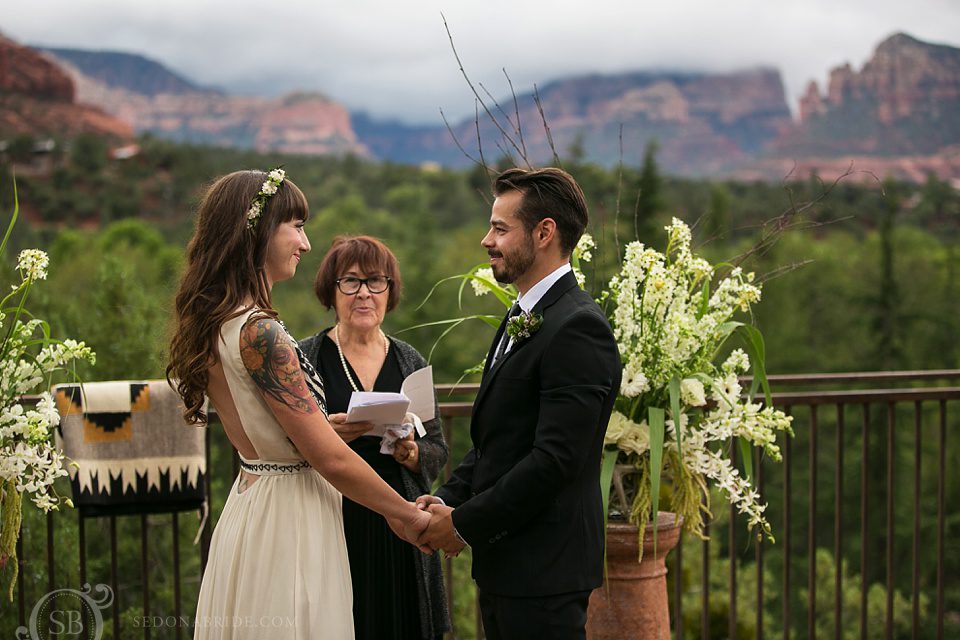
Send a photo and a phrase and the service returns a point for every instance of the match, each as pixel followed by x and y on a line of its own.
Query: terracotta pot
pixel 632 603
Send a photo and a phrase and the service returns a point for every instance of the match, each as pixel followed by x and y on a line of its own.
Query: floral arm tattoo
pixel 271 361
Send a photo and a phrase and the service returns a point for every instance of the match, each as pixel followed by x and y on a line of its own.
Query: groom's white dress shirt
pixel 530 299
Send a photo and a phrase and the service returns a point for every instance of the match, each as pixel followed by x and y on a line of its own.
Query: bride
pixel 278 562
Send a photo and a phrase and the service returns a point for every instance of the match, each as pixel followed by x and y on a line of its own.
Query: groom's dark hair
pixel 547 193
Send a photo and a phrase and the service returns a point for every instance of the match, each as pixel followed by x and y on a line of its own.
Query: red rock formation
pixel 298 123
pixel 24 71
pixel 37 98
pixel 842 85
pixel 306 123
pixel 905 101
pixel 702 122
pixel 811 104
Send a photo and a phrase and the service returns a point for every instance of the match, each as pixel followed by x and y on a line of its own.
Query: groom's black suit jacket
pixel 527 495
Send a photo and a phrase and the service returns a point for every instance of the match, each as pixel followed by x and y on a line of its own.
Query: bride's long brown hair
pixel 224 276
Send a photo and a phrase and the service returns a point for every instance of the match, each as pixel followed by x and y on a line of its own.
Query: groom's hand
pixel 440 533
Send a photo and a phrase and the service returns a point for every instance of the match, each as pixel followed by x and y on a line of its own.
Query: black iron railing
pixel 868 482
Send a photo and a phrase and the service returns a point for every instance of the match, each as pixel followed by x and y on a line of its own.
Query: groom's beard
pixel 515 263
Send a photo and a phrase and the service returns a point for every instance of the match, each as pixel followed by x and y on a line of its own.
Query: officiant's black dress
pixel 382 566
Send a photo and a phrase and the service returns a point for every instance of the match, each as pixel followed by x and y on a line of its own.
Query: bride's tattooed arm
pixel 271 361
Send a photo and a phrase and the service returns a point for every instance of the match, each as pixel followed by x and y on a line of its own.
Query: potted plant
pixel 681 411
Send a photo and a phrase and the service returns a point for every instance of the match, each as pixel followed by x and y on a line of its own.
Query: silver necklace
pixel 343 360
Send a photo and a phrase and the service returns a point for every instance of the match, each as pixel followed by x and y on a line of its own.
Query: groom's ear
pixel 545 232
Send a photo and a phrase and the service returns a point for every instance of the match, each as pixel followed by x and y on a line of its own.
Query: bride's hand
pixel 411 527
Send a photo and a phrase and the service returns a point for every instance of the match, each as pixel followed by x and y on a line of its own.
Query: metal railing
pixel 877 441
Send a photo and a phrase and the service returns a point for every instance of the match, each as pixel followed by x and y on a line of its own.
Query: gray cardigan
pixel 434 617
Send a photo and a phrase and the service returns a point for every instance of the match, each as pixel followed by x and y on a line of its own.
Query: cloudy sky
pixel 392 58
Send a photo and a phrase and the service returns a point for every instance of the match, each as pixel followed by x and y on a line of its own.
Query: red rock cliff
pixel 37 97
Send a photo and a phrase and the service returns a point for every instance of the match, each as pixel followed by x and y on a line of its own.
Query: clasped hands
pixel 433 532
pixel 440 532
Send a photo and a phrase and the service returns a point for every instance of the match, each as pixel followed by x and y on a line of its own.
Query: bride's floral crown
pixel 269 187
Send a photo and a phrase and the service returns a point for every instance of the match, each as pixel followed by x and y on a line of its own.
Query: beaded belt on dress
pixel 272 468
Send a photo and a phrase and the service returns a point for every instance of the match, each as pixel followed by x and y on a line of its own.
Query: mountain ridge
pixel 902 107
pixel 131 71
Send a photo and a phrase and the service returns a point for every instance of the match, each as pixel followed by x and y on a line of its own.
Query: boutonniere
pixel 524 325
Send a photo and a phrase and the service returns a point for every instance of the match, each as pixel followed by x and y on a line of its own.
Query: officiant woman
pixel 397 591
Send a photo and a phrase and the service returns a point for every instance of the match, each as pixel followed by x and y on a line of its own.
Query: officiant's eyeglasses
pixel 350 285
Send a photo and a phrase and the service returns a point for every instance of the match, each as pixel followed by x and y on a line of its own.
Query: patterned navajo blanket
pixel 132 449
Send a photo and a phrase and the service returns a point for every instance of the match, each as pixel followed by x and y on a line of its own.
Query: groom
pixel 526 497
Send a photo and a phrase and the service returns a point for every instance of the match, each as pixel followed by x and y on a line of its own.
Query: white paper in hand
pixel 386 409
pixel 381 408
pixel 418 387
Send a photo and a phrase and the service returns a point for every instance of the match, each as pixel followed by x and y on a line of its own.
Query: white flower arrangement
pixel 670 321
pixel 269 187
pixel 29 463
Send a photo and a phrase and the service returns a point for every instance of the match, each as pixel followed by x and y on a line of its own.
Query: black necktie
pixel 505 339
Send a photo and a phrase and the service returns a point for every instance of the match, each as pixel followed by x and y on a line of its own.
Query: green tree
pixel 718 215
pixel 88 153
pixel 886 319
pixel 649 201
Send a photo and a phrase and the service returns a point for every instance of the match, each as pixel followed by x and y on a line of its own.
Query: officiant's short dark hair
pixel 548 193
pixel 368 253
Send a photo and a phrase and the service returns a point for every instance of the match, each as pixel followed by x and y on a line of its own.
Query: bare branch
pixel 476 123
pixel 546 127
pixel 516 110
pixel 515 127
pixel 636 216
pixel 780 271
pixel 460 146
pixel 616 219
pixel 504 152
pixel 496 105
pixel 771 230
pixel 476 94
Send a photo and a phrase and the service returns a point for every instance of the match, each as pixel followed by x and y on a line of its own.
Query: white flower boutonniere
pixel 524 325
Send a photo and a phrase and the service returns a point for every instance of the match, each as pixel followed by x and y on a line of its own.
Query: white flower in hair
pixel 274 179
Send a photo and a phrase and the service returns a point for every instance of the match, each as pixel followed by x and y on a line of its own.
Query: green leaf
pixel 13 219
pixel 434 288
pixel 746 453
pixel 704 378
pixel 454 323
pixel 655 419
pixel 609 461
pixel 757 351
pixel 607 464
pixel 675 409
pixel 704 300
pixel 727 328
pixel 486 318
